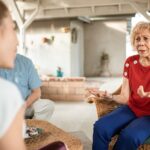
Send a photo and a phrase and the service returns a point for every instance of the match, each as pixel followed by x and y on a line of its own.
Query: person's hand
pixel 142 93
pixel 100 94
pixel 96 92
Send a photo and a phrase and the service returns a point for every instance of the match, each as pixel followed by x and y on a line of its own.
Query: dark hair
pixel 3 11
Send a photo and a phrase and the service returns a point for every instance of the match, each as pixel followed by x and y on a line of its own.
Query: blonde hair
pixel 139 27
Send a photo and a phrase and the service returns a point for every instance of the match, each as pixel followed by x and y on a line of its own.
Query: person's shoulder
pixel 5 84
pixel 132 58
pixel 10 90
pixel 8 87
pixel 23 58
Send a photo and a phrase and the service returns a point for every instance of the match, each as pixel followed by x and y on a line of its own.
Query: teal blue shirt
pixel 24 75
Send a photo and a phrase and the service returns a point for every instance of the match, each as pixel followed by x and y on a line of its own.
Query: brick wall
pixel 64 88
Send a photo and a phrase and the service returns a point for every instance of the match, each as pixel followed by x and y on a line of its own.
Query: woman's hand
pixel 100 94
pixel 96 92
pixel 142 93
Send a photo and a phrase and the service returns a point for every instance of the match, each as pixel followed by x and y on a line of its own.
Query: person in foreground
pixel 11 110
pixel 132 119
pixel 25 76
pixel 12 106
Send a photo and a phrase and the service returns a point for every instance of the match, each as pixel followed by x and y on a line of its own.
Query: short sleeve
pixel 10 103
pixel 126 68
pixel 34 80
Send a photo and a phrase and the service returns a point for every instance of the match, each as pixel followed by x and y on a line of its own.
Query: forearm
pixel 148 94
pixel 121 99
pixel 104 95
pixel 35 95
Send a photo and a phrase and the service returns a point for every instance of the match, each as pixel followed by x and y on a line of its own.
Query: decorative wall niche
pixel 74 35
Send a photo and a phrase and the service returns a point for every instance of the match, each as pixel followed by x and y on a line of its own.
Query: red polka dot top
pixel 137 75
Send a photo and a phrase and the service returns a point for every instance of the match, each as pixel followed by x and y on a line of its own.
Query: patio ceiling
pixel 25 12
pixel 73 8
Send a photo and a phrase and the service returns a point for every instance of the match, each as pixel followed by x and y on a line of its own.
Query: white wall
pixel 77 50
pixel 83 57
pixel 62 52
pixel 108 36
pixel 47 57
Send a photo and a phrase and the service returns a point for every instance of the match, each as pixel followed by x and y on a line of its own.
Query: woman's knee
pixel 129 137
pixel 50 105
pixel 44 105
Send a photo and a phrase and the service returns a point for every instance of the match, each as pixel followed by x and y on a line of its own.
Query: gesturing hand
pixel 96 92
pixel 101 94
pixel 142 93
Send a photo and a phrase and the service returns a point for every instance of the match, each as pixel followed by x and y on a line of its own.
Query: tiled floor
pixel 79 116
pixel 75 116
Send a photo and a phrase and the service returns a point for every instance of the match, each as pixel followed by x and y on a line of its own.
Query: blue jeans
pixel 132 130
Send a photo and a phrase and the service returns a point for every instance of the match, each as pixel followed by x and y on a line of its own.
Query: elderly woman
pixel 132 120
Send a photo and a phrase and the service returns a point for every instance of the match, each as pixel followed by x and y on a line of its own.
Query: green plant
pixel 104 56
